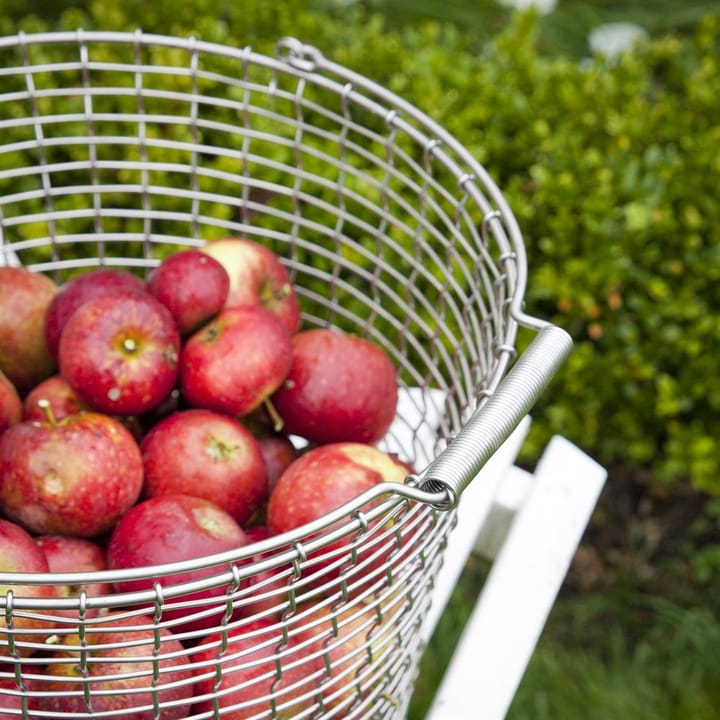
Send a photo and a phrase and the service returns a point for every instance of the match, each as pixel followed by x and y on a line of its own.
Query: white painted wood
pixel 504 627
pixel 473 509
pixel 511 494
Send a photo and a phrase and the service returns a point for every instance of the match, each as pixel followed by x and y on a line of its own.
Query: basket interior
pixel 120 149
pixel 120 152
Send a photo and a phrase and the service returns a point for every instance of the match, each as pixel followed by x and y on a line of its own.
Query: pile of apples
pixel 157 420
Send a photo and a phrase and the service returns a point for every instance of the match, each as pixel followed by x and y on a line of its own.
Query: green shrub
pixel 612 171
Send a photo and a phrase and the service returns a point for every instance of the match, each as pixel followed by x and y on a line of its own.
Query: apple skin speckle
pixel 75 476
pixel 119 352
pixel 173 528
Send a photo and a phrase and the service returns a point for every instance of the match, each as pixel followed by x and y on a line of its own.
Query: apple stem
pixel 45 406
pixel 277 421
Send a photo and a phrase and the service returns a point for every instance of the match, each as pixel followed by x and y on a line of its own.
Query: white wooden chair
pixel 529 525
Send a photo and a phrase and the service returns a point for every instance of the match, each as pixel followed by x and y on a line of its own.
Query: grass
pixel 666 668
pixel 605 655
pixel 446 635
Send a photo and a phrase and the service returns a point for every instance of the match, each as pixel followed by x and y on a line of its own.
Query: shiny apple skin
pixel 119 351
pixel 206 454
pixel 76 476
pixel 340 388
pixel 24 299
pixel 175 528
pixel 192 285
pixel 62 399
pixel 20 554
pixel 322 480
pixel 70 554
pixel 257 277
pixel 234 363
pixel 77 291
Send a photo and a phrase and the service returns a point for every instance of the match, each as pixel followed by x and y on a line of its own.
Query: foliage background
pixel 612 169
pixel 608 168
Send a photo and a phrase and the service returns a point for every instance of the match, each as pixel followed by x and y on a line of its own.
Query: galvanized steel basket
pixel 118 148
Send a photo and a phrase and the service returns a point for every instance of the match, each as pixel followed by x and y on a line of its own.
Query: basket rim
pixel 304 61
pixel 342 522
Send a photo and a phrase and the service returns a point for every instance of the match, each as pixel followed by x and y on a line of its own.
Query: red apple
pixel 254 670
pixel 69 554
pixel 277 452
pixel 351 639
pixel 206 454
pixel 20 554
pixel 119 351
pixel 10 404
pixel 24 299
pixel 322 480
pixel 56 397
pixel 257 277
pixel 175 528
pixel 55 393
pixel 268 588
pixel 192 285
pixel 9 702
pixel 74 476
pixel 128 662
pixel 340 388
pixel 11 694
pixel 72 294
pixel 234 363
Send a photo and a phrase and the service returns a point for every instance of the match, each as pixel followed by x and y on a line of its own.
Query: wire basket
pixel 120 148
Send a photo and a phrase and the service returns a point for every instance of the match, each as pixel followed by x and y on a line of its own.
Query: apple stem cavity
pixel 129 345
pixel 212 332
pixel 47 410
pixel 277 421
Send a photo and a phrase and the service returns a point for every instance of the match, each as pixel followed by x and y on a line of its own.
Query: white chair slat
pixel 533 554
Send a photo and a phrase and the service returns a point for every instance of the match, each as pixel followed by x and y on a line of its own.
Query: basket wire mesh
pixel 118 149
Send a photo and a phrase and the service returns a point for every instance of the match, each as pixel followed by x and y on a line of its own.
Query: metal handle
pixel 490 425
